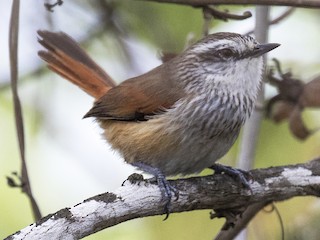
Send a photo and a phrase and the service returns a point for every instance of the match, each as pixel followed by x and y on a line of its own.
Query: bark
pixel 143 198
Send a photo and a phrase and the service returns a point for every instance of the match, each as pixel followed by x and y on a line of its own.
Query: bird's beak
pixel 261 49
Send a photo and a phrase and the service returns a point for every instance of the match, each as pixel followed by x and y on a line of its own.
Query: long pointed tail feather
pixel 65 57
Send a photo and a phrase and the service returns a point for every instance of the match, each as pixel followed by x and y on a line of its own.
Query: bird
pixel 178 118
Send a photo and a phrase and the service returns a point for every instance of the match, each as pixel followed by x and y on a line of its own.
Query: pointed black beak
pixel 261 49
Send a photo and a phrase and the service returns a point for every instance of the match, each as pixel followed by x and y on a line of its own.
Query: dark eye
pixel 225 53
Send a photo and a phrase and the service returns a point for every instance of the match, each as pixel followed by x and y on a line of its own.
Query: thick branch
pixel 293 3
pixel 143 199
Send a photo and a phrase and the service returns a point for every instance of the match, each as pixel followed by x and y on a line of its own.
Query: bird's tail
pixel 65 57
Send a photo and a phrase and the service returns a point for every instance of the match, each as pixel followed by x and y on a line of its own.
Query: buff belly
pixel 175 150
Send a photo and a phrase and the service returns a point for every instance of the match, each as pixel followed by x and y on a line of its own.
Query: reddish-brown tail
pixel 65 57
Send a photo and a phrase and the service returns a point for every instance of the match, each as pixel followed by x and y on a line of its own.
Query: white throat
pixel 242 77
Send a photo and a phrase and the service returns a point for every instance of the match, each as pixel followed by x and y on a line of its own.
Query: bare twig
pixel 225 15
pixel 278 19
pixel 49 15
pixel 142 199
pixel 276 210
pixel 282 16
pixel 50 7
pixel 210 13
pixel 292 3
pixel 13 46
pixel 207 17
pixel 246 217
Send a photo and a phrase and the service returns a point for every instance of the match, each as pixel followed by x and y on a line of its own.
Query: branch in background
pixel 246 217
pixel 111 23
pixel 251 129
pixel 224 15
pixel 210 13
pixel 278 19
pixel 49 15
pixel 142 199
pixel 13 48
pixel 50 7
pixel 292 3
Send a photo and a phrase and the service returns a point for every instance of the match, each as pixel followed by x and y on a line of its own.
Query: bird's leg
pixel 165 188
pixel 235 173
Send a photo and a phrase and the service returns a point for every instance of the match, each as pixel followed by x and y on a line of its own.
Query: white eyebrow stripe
pixel 211 45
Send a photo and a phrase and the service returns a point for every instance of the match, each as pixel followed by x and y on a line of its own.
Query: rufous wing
pixel 137 98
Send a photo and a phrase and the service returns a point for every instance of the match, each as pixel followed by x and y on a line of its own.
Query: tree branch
pixel 278 19
pixel 292 3
pixel 142 199
pixel 246 217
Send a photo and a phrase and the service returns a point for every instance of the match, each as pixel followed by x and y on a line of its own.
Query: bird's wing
pixel 137 98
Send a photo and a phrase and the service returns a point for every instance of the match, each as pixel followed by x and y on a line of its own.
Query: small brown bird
pixel 180 117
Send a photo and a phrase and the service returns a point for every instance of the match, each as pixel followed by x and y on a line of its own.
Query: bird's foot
pixel 165 187
pixel 237 174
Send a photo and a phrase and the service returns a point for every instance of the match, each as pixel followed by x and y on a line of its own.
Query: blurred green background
pixel 67 159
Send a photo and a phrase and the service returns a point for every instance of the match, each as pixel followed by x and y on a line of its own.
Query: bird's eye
pixel 225 53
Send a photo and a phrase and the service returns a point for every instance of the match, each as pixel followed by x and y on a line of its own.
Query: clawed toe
pixel 166 193
pixel 238 174
pixel 165 188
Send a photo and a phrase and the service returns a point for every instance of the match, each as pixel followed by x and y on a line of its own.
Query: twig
pixel 207 17
pixel 13 46
pixel 282 16
pixel 278 19
pixel 276 210
pixel 210 12
pixel 225 15
pixel 48 15
pixel 292 3
pixel 246 217
pixel 278 67
pixel 142 199
pixel 50 7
